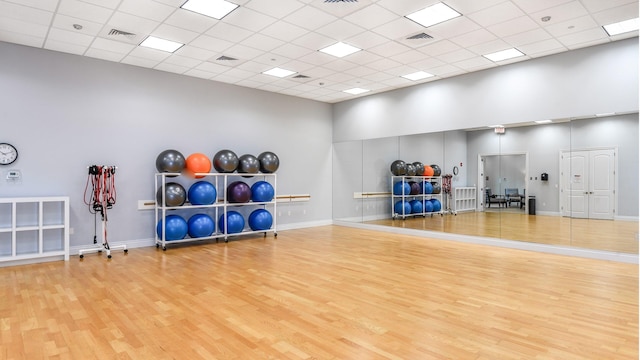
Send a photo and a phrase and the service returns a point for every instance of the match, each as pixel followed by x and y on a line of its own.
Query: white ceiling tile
pixel 173 33
pixel 22 27
pixel 409 57
pixel 528 37
pixel 364 57
pixel 65 22
pixel 191 21
pixel 182 61
pixel 270 59
pixel 340 65
pixel 446 70
pixel 85 11
pixel 541 47
pixel 132 60
pixel 586 36
pixel 25 14
pixel 132 24
pixel 292 51
pixel 399 28
pixel 298 66
pixel 112 46
pixel 383 64
pixel 211 67
pixel 282 9
pixel 514 26
pixel 470 6
pixel 340 30
pixel 310 18
pixel 428 63
pixel 561 13
pixel 366 40
pixel 456 56
pixel 171 68
pixel 249 19
pixel 371 16
pixel 474 38
pixel 64 47
pixel 452 28
pixel 389 49
pixel 496 14
pixel 21 39
pixel 48 5
pixel 211 43
pixel 228 32
pixel 340 9
pixel 405 7
pixel 475 63
pixel 262 42
pixel 621 13
pixel 600 5
pixel 243 52
pixel 538 5
pixel 439 47
pixel 195 52
pixel 317 58
pixel 147 9
pixel 579 45
pixel 199 74
pixel 149 54
pixel 239 73
pixel 572 26
pixel 109 4
pixel 314 41
pixel 70 37
pixel 283 31
pixel 104 54
pixel 489 47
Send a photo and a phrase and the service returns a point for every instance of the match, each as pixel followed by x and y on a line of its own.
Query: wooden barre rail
pixel 279 198
pixel 371 194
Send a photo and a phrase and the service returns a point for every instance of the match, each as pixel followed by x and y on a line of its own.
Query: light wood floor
pixel 321 293
pixel 617 236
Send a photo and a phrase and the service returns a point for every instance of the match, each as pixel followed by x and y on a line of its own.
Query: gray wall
pixel 592 80
pixel 65 112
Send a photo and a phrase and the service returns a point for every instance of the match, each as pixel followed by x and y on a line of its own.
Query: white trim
pixel 626 218
pixel 549 213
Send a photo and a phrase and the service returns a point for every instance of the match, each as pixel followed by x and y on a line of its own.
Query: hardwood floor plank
pixel 321 293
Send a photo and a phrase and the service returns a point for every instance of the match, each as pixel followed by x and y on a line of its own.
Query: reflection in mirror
pixel 542 209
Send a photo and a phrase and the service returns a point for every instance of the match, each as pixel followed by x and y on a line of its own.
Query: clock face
pixel 8 154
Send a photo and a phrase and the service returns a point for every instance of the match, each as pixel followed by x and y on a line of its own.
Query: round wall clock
pixel 8 154
pixel 455 170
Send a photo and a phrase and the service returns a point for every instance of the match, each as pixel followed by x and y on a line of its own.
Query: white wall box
pixel 401 195
pixel 34 229
pixel 221 207
pixel 464 198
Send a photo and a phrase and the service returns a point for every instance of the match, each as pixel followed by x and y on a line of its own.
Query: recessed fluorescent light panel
pixel 216 9
pixel 543 121
pixel 504 55
pixel 161 44
pixel 356 91
pixel 278 72
pixel 434 14
pixel 340 49
pixel 417 76
pixel 622 27
pixel 495 126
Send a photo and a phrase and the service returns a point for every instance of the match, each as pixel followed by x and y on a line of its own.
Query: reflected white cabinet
pixel 34 228
pixel 464 198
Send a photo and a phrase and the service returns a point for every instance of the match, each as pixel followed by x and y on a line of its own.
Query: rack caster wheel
pixel 109 256
pixel 157 246
pixel 126 251
pixel 81 256
pixel 164 248
pixel 275 234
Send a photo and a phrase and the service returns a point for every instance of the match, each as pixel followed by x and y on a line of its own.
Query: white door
pixel 481 185
pixel 588 183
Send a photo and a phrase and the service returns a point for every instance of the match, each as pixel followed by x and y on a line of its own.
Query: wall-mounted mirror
pixel 565 183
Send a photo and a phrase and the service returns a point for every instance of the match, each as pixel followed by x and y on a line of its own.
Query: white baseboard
pixel 549 213
pixel 626 218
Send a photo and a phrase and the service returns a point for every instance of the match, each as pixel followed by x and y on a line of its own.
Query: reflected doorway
pixel 502 182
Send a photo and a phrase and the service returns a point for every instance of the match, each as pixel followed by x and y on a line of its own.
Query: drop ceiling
pixel 262 34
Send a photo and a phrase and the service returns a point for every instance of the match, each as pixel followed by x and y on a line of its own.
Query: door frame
pixel 480 205
pixel 615 174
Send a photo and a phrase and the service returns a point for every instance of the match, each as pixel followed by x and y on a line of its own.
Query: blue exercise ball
pixel 201 225
pixel 260 219
pixel 175 228
pixel 402 207
pixel 416 206
pixel 427 187
pixel 202 193
pixel 174 194
pixel 427 206
pixel 401 188
pixel 436 205
pixel 234 221
pixel 262 191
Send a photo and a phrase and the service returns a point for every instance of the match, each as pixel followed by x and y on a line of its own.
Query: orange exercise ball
pixel 198 163
pixel 428 170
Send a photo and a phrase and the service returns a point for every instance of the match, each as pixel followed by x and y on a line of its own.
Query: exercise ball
pixel 415 188
pixel 436 170
pixel 419 168
pixel 198 163
pixel 399 168
pixel 269 162
pixel 225 161
pixel 260 219
pixel 201 225
pixel 174 194
pixel 401 188
pixel 427 206
pixel 175 228
pixel 416 206
pixel 428 170
pixel 411 169
pixel 436 187
pixel 234 222
pixel 262 191
pixel 202 193
pixel 402 207
pixel 171 161
pixel 436 205
pixel 238 192
pixel 427 188
pixel 248 164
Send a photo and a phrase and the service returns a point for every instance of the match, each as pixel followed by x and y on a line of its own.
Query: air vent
pixel 225 58
pixel 420 36
pixel 301 77
pixel 335 1
pixel 116 32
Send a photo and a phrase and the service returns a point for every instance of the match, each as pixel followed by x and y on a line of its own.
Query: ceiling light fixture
pixel 216 9
pixel 543 121
pixel 605 114
pixel 622 27
pixel 278 72
pixel 340 49
pixel 356 91
pixel 504 55
pixel 419 75
pixel 433 14
pixel 495 126
pixel 161 44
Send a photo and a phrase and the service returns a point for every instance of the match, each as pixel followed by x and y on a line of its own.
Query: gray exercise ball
pixel 171 161
pixel 249 164
pixel 225 161
pixel 269 162
pixel 419 168
pixel 399 168
pixel 174 194
pixel 411 170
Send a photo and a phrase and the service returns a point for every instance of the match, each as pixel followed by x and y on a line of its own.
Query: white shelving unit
pixel 464 198
pixel 34 229
pixel 219 208
pixel 420 196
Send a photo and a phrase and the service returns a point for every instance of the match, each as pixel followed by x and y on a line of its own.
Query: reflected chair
pixel 512 196
pixel 494 199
